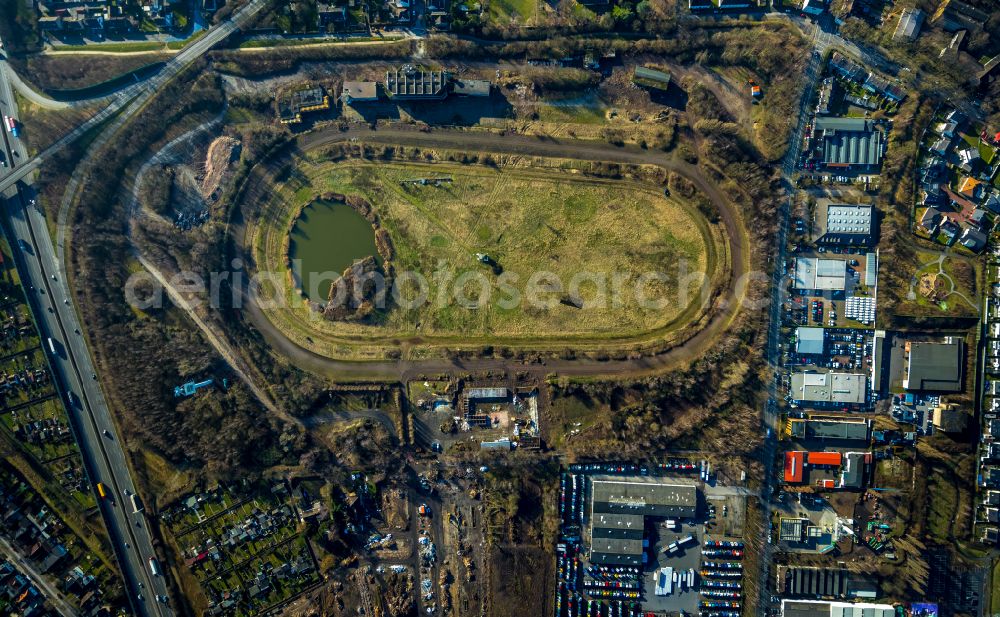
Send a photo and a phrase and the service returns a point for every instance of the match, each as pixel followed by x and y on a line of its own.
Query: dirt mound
pixel 356 294
pixel 221 154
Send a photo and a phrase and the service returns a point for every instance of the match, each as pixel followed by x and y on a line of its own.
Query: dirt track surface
pixel 474 141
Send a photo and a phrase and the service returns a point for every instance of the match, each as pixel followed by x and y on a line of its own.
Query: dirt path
pixel 531 146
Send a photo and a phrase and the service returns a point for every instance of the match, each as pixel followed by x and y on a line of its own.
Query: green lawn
pixel 112 47
pixel 503 11
pixel 267 43
pixel 194 37
pixel 527 222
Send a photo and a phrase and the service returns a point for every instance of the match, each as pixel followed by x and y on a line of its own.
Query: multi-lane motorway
pixel 99 444
pixel 125 103
pixel 53 306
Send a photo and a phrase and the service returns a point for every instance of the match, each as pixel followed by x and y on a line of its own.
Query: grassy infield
pixel 529 221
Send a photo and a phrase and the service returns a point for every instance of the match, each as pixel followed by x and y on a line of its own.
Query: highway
pixel 89 415
pixel 129 100
pixel 52 303
pixel 771 417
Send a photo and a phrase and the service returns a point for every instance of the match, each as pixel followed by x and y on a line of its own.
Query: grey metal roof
pixel 850 141
pixel 809 340
pixel 935 367
pixel 641 495
pixel 909 24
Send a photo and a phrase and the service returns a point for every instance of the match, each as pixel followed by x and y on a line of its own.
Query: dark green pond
pixel 327 238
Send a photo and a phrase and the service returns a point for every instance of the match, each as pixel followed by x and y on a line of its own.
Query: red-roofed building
pixel 832 459
pixel 793 466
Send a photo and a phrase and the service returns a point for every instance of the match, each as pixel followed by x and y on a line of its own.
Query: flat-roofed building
pixel 359 91
pixel 809 340
pixel 844 429
pixel 616 539
pixel 855 468
pixel 643 495
pixel 812 273
pixel 471 87
pixel 844 224
pixel 829 389
pixel 934 366
pixel 618 507
pixel 791 529
pixel 820 608
pixel 949 418
pixel 616 552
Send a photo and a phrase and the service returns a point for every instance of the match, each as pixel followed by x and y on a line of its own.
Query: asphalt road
pixel 771 414
pixel 71 363
pixel 130 100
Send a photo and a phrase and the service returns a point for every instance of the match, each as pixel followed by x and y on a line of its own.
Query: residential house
pixel 329 16
pixel 981 219
pixel 909 24
pixel 946 129
pixel 954 15
pixel 930 220
pixel 967 157
pixel 971 188
pixel 880 85
pixel 973 239
pixel 846 67
pixel 992 202
pixel 941 146
pixel 950 231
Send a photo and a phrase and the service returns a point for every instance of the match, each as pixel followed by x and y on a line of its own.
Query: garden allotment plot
pixel 527 221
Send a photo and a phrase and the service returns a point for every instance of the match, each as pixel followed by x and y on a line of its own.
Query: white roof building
pixel 820 274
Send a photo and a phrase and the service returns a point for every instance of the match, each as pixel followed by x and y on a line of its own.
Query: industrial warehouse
pixel 848 144
pixel 633 533
pixel 618 510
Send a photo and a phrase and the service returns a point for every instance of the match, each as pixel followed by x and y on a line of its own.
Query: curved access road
pixel 478 141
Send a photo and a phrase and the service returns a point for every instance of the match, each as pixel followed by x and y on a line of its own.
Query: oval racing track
pixel 472 141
